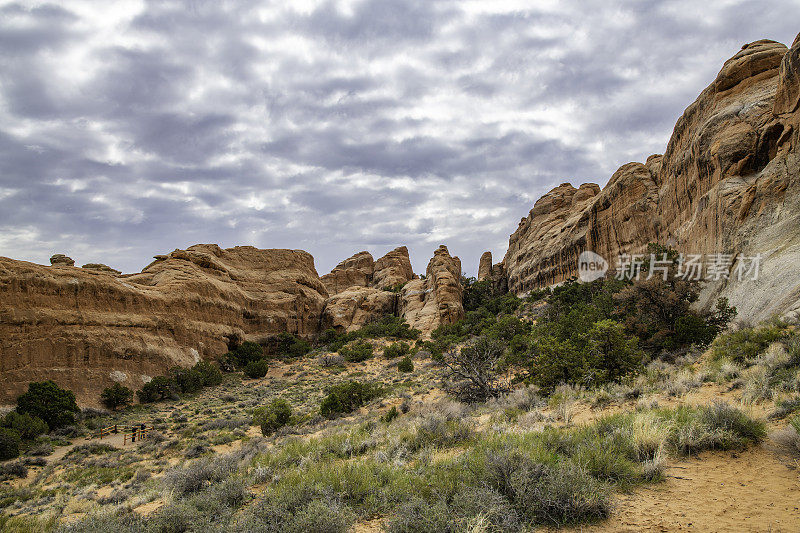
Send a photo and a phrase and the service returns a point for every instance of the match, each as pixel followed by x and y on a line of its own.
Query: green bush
pixel 390 415
pixel 256 369
pixel 209 373
pixel 29 427
pixel 273 417
pixel 288 346
pixel 9 444
pixel 405 365
pixel 389 326
pixel 116 396
pixel 346 397
pixel 51 403
pixel 397 349
pixel 745 345
pixel 239 357
pixel 157 389
pixel 356 352
pixel 188 380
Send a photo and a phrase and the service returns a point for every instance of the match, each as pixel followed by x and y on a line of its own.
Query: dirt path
pixel 717 491
pixel 62 451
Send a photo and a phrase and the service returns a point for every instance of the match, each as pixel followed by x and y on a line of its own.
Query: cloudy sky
pixel 130 128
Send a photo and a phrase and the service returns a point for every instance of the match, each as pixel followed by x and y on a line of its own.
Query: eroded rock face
pixel 356 306
pixel 355 271
pixel 485 267
pixel 393 269
pixel 86 329
pixel 436 300
pixel 100 267
pixel 726 183
pixel 62 260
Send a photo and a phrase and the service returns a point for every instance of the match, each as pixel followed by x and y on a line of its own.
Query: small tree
pixel 188 380
pixel 273 417
pixel 209 373
pixel 159 388
pixel 256 369
pixel 51 403
pixel 356 352
pixel 473 370
pixel 405 365
pixel 9 444
pixel 116 396
pixel 29 427
pixel 611 354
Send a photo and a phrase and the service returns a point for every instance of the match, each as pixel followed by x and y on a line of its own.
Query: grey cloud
pixel 258 123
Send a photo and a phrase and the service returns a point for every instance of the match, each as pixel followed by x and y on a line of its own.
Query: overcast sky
pixel 131 128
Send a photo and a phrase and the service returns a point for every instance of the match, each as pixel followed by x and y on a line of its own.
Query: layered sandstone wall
pixel 88 328
pixel 428 303
pixel 726 183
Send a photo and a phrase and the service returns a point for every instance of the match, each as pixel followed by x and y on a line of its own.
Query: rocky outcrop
pixel 428 303
pixel 100 267
pixel 485 267
pixel 726 183
pixel 393 269
pixel 356 306
pixel 86 329
pixel 62 260
pixel 355 271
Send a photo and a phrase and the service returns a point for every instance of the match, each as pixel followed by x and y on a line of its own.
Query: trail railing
pixel 138 433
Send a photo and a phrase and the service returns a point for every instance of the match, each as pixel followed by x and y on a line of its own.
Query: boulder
pixel 61 260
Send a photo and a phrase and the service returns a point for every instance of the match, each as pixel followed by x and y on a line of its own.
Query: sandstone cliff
pixel 87 328
pixel 425 304
pixel 726 183
pixel 428 303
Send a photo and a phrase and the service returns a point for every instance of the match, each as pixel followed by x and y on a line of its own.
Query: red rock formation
pixel 81 327
pixel 355 271
pixel 393 269
pixel 428 303
pixel 485 267
pixel 727 182
pixel 354 307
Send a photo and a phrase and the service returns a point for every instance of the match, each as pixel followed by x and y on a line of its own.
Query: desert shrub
pixel 256 369
pixel 239 357
pixel 188 380
pixel 9 444
pixel 723 417
pixel 745 345
pixel 389 326
pixel 116 396
pixel 788 439
pixel 129 522
pixel 209 373
pixel 29 427
pixel 346 397
pixel 41 449
pixel 297 510
pixel 329 360
pixel 288 346
pixel 356 352
pixel 405 365
pixel 199 474
pixel 157 389
pixel 390 415
pixel 473 370
pixel 437 430
pixel 13 469
pixel 785 407
pixel 49 402
pixel 273 416
pixel 397 349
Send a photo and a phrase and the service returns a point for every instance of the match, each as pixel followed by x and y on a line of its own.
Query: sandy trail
pixel 716 491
